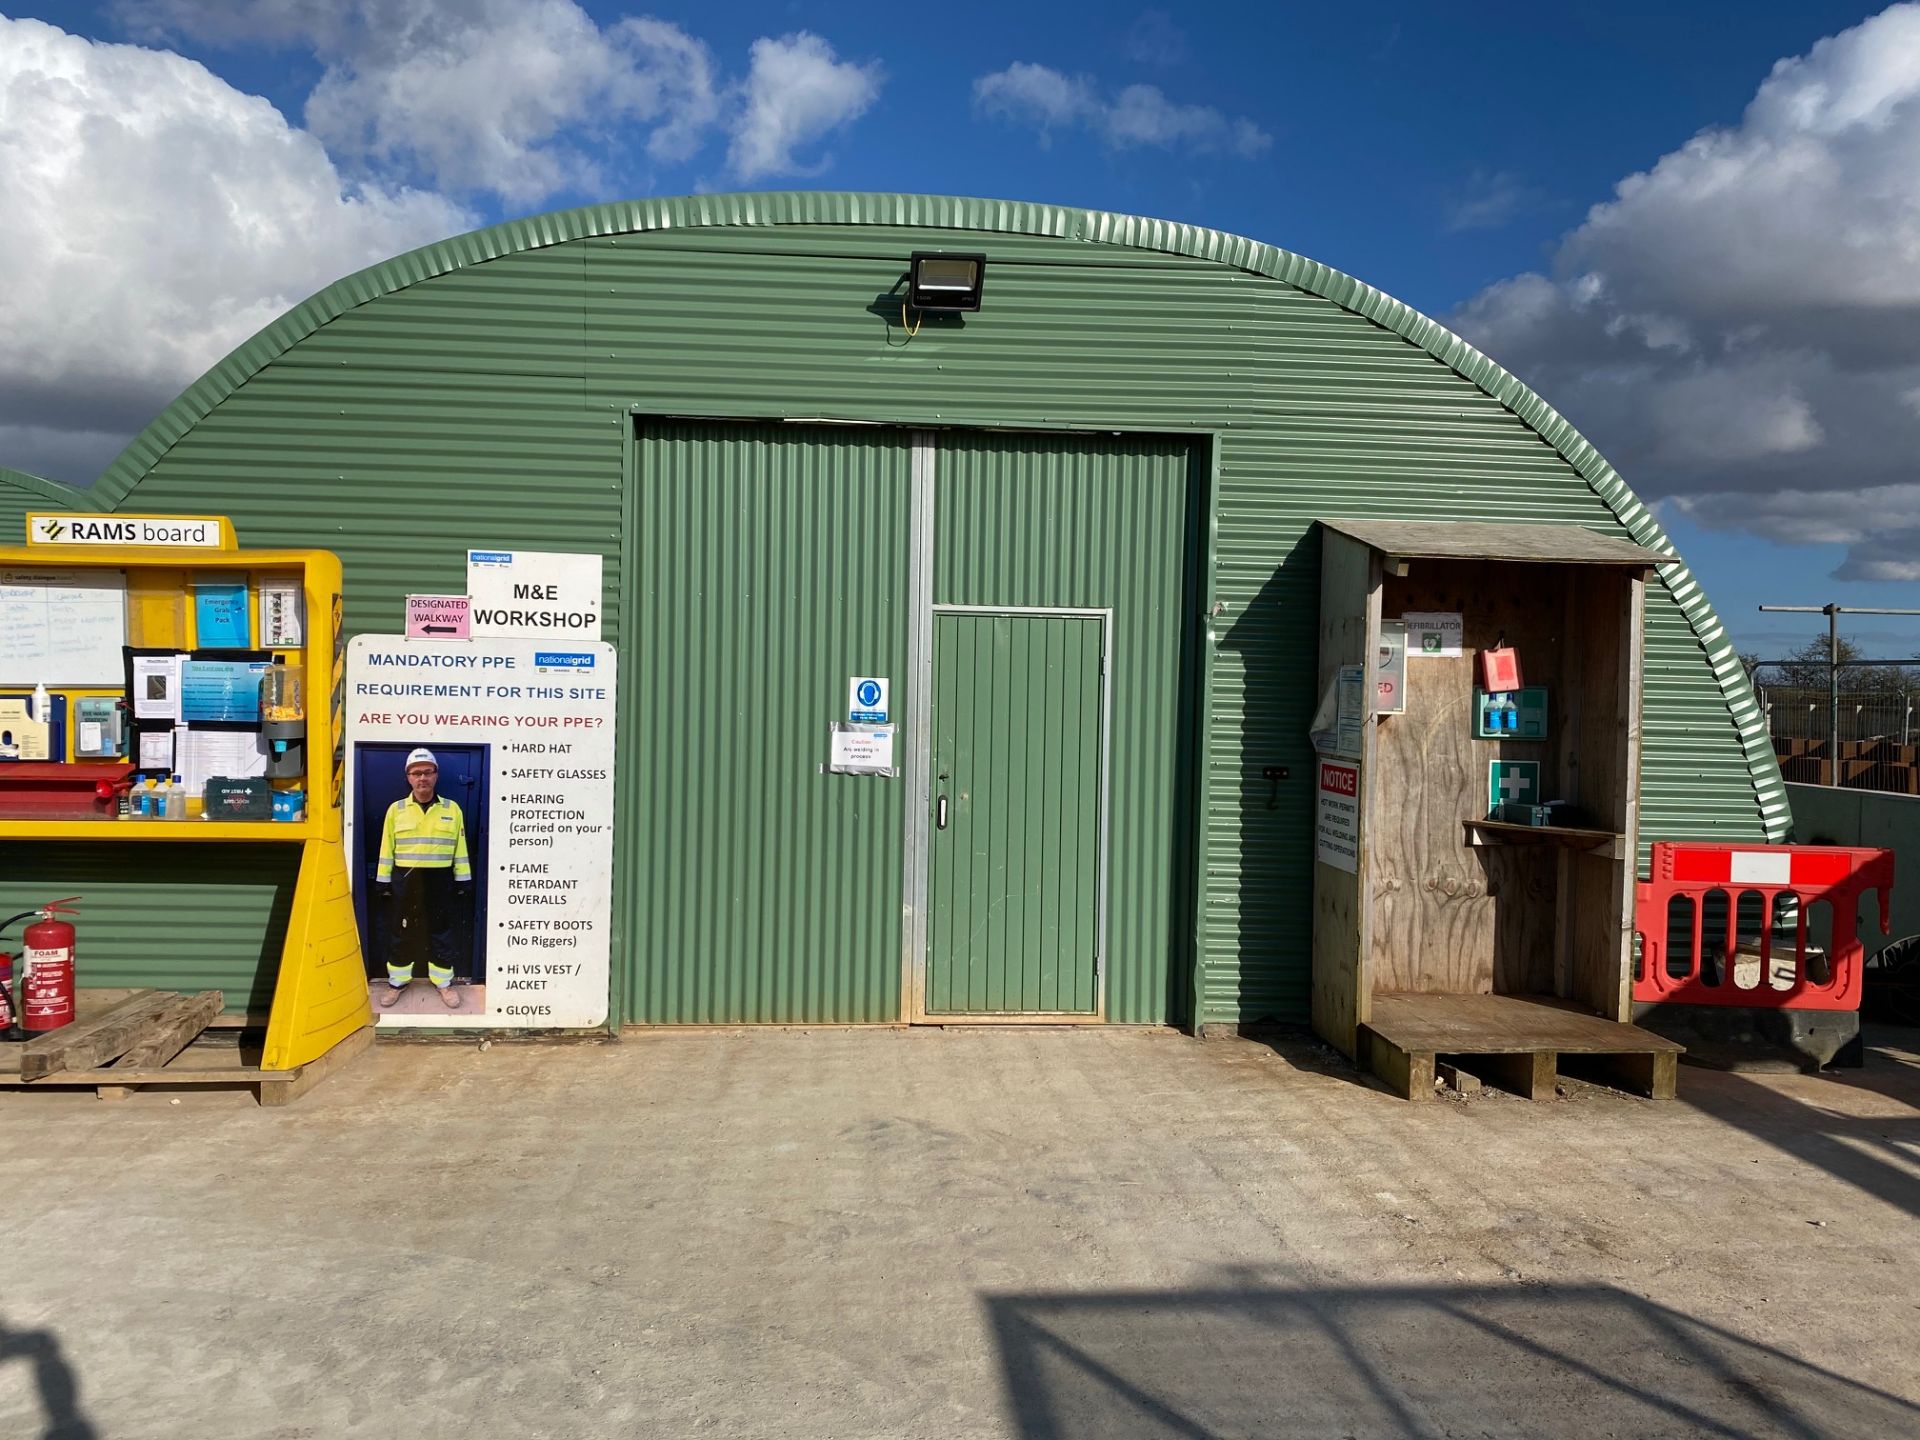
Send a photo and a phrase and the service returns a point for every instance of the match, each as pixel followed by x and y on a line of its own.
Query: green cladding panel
pixel 479 392
pixel 770 566
pixel 205 917
pixel 1109 523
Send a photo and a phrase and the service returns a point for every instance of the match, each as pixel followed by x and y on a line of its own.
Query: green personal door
pixel 1017 810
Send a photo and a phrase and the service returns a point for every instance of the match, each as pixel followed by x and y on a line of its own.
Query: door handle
pixel 940 813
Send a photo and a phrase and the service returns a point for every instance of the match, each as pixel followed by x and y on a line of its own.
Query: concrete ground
pixel 959 1234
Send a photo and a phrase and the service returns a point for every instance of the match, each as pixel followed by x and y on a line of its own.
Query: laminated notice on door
pixel 861 749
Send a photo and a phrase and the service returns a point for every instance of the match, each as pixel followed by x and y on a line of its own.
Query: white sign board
pixel 1390 669
pixel 538 723
pixel 164 532
pixel 1435 634
pixel 867 700
pixel 63 627
pixel 861 750
pixel 1336 826
pixel 534 595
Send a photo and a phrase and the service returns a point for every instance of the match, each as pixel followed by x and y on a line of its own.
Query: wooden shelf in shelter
pixel 1502 832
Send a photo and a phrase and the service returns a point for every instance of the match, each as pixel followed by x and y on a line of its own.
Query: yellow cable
pixel 903 321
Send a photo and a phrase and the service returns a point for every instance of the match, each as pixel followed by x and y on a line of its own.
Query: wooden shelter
pixel 1442 929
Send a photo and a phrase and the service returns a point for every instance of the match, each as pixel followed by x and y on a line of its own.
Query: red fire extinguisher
pixel 46 983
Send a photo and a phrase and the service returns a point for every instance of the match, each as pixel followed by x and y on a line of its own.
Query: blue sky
pixel 1451 158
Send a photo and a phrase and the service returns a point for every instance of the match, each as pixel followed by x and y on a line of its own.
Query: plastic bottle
pixel 176 800
pixel 140 798
pixel 41 705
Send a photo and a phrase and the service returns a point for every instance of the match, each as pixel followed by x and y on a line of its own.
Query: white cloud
pixel 1736 327
pixel 155 218
pixel 795 94
pixel 510 97
pixel 1489 200
pixel 1139 115
pixel 1154 39
pixel 525 99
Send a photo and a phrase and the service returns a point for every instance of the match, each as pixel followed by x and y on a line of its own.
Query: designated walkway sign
pixel 867 700
pixel 438 617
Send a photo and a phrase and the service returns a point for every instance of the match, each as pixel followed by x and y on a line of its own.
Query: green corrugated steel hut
pixel 1074 528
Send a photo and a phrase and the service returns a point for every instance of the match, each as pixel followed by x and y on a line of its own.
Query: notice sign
pixel 443 617
pixel 1435 634
pixel 534 595
pixel 867 700
pixel 1336 826
pixel 861 750
pixel 522 739
pixel 1390 669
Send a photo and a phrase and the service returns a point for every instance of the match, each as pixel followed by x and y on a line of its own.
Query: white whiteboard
pixel 62 627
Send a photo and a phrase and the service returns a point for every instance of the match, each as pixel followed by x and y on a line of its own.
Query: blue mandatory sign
pixel 867 700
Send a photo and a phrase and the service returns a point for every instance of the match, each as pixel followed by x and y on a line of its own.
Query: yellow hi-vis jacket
pixel 424 839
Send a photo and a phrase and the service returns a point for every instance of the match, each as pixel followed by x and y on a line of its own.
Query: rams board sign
pixel 153 532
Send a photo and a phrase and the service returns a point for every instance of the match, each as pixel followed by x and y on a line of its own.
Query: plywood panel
pixel 1449 918
pixel 1607 611
pixel 1349 621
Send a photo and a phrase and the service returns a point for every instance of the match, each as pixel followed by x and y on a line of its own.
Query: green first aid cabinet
pixel 1074 530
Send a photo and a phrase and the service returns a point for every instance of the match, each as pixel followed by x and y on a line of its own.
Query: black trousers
pixel 426 917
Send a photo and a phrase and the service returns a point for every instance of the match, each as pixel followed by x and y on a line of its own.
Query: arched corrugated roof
pixel 56 494
pixel 993 217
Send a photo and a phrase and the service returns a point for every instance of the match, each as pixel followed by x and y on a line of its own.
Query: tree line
pixel 1806 669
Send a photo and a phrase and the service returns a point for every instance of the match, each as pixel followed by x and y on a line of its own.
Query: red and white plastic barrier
pixel 1711 967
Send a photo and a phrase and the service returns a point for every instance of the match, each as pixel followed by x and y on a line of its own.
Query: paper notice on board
pixel 156 750
pixel 156 687
pixel 219 755
pixel 1350 690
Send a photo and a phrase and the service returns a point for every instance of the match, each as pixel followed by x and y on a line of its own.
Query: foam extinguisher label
pixel 48 987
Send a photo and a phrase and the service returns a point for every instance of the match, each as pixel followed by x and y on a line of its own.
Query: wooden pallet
pixel 121 1041
pixel 1512 1041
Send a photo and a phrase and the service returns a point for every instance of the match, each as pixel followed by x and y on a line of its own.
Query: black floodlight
pixel 942 281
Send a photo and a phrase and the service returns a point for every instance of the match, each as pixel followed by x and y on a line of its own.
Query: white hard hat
pixel 422 756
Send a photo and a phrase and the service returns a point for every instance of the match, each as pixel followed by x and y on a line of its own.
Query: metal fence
pixel 1794 714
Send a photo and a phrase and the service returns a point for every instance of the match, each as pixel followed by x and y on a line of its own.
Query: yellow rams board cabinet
pixel 158 632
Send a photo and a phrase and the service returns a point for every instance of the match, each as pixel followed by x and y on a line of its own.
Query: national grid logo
pixel 546 660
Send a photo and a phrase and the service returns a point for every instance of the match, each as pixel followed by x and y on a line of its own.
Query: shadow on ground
pixel 52 1381
pixel 1872 1152
pixel 1251 1359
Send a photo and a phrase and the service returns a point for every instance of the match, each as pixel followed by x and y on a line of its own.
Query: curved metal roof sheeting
pixel 54 492
pixel 1002 217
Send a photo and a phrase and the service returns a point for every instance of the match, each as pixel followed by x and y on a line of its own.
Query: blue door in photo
pixel 381 778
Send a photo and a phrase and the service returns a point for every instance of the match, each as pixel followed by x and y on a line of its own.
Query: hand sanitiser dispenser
pixel 283 721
